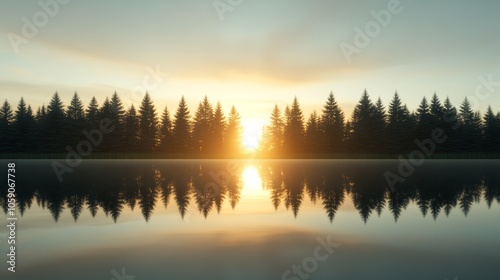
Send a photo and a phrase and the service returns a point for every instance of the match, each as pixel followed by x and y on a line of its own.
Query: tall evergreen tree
pixel 148 124
pixel 275 131
pixel 379 126
pixel 24 128
pixel 490 131
pixel 182 128
pixel 75 111
pixel 424 125
pixel 451 124
pixel 363 125
pixel 436 111
pixel 293 141
pixel 131 130
pixel 75 121
pixel 165 131
pixel 400 128
pixel 202 126
pixel 40 123
pixel 313 134
pixel 116 137
pixel 92 112
pixel 332 125
pixel 6 130
pixel 497 141
pixel 54 134
pixel 218 129
pixel 233 133
pixel 470 130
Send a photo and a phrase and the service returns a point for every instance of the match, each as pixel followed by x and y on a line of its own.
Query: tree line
pixel 371 129
pixel 374 129
pixel 55 126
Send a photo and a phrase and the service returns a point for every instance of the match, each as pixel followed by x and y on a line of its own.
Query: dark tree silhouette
pixel 274 138
pixel 470 130
pixel 363 126
pixel 182 128
pixel 93 113
pixel 218 129
pixel 313 134
pixel 202 126
pixel 23 127
pixel 165 133
pixel 54 135
pixel 233 132
pixel 131 130
pixel 370 130
pixel 148 124
pixel 400 126
pixel 332 126
pixel 6 133
pixel 116 137
pixel 293 141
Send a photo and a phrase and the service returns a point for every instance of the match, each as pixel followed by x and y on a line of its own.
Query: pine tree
pixel 293 141
pixel 497 141
pixel 148 124
pixel 436 111
pixel 451 126
pixel 93 113
pixel 131 130
pixel 379 126
pixel 75 110
pixel 6 130
pixel 75 119
pixel 233 133
pixel 470 130
pixel 202 126
pixel 332 125
pixel 218 129
pixel 490 131
pixel 40 125
pixel 165 131
pixel 116 137
pixel 182 128
pixel 275 131
pixel 400 127
pixel 23 128
pixel 363 126
pixel 313 134
pixel 54 134
pixel 424 126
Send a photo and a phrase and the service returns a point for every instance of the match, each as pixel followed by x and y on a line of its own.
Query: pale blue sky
pixel 261 53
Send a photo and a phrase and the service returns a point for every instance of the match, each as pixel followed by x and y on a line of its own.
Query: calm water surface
pixel 164 219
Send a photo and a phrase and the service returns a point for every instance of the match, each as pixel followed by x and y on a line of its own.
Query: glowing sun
pixel 252 133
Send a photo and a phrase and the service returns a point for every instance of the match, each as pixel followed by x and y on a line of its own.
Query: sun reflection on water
pixel 252 183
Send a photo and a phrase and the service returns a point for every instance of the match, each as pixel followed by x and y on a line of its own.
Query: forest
pixel 371 129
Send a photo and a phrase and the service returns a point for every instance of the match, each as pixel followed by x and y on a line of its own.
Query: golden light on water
pixel 252 183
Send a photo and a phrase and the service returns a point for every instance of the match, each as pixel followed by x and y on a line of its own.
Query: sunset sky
pixel 258 54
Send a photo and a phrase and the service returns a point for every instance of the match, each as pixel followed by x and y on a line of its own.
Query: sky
pixel 253 54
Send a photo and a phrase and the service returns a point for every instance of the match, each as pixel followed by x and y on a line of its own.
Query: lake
pixel 255 219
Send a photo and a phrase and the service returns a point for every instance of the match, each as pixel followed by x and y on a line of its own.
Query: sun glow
pixel 252 183
pixel 252 133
